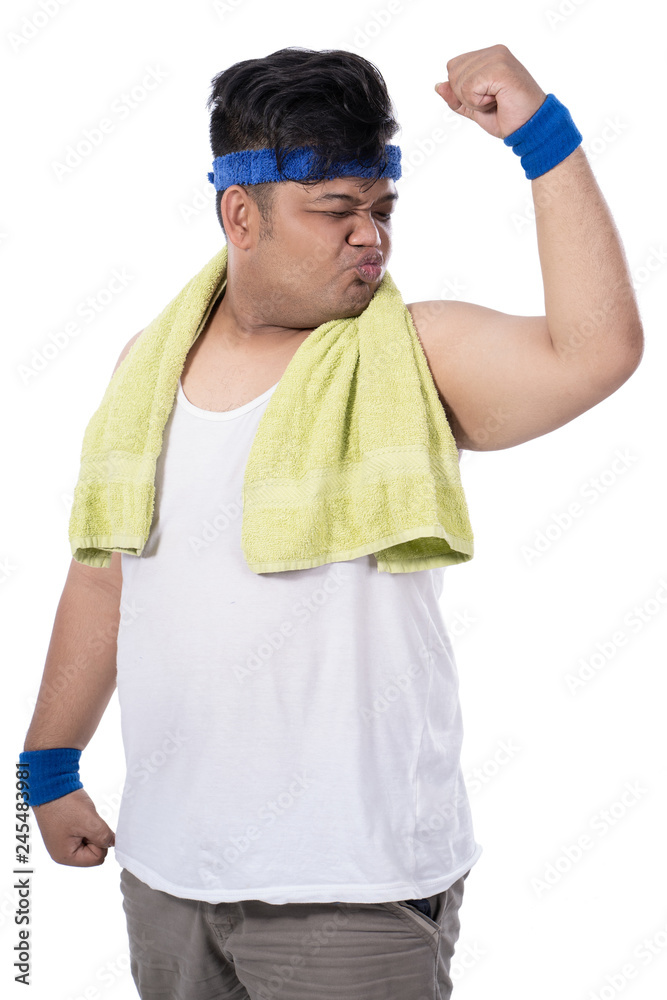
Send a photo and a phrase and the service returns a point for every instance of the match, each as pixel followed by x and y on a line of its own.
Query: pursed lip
pixel 370 258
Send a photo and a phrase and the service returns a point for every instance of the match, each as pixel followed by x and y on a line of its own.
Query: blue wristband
pixel 545 139
pixel 51 774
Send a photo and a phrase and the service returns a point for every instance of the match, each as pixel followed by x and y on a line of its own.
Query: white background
pixel 463 230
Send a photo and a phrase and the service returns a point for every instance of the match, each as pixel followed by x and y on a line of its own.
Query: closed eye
pixel 340 215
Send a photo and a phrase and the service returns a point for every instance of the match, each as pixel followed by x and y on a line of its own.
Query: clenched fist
pixel 72 830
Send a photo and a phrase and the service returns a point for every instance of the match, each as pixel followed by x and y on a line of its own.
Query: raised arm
pixel 504 378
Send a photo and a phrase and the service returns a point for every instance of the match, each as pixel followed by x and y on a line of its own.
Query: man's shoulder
pixel 442 327
pixel 442 315
pixel 126 350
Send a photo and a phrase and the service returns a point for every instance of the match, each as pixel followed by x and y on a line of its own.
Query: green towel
pixel 353 454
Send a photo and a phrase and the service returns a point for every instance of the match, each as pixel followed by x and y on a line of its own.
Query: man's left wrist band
pixel 545 139
pixel 51 773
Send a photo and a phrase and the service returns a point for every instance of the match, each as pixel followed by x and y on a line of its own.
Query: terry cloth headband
pixel 256 166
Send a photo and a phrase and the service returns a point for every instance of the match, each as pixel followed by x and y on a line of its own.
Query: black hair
pixel 333 100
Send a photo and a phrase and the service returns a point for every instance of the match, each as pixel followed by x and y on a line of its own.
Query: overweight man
pixel 287 829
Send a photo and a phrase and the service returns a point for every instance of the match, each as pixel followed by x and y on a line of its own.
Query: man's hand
pixel 493 88
pixel 72 831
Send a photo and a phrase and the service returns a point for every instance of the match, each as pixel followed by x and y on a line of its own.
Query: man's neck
pixel 227 331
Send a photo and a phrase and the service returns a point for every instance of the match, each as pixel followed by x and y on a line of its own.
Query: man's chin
pixel 365 290
pixel 370 287
pixel 356 310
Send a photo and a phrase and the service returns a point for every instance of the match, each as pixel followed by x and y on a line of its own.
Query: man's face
pixel 306 270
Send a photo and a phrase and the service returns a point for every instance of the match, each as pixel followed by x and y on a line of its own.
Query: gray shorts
pixel 186 949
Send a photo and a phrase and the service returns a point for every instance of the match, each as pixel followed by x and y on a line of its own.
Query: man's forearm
pixel 590 304
pixel 80 671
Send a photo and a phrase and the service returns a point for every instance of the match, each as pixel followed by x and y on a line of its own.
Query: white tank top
pixel 289 737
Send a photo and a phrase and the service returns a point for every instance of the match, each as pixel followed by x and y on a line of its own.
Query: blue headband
pixel 255 166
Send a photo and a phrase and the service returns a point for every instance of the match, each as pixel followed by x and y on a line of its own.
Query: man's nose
pixel 365 232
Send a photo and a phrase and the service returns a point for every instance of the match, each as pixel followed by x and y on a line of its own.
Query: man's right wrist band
pixel 51 774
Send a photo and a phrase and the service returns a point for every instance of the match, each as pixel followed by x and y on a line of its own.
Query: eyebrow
pixel 389 196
